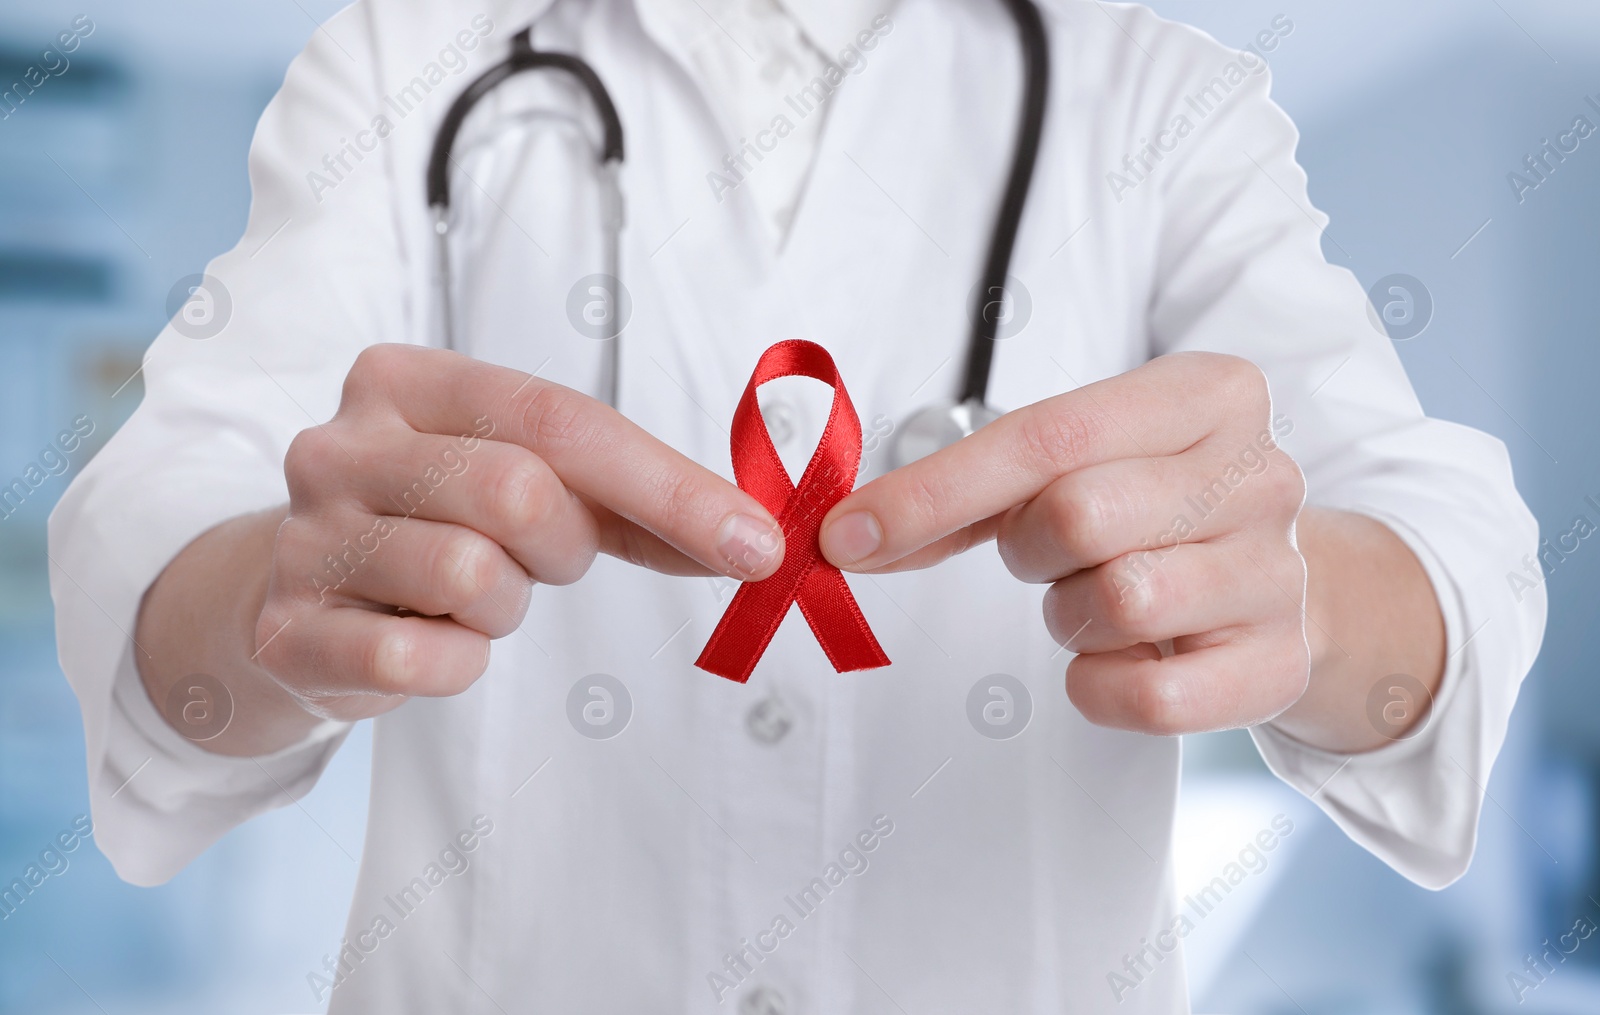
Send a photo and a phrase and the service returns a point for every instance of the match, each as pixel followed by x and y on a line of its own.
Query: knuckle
pixel 376 364
pixel 1080 518
pixel 676 494
pixel 1080 689
pixel 1292 573
pixel 568 569
pixel 1129 596
pixel 297 557
pixel 1060 614
pixel 1057 435
pixel 390 654
pixel 506 618
pixel 308 463
pixel 464 568
pixel 294 542
pixel 1287 482
pixel 374 369
pixel 553 416
pixel 1241 379
pixel 270 654
pixel 1159 705
pixel 517 496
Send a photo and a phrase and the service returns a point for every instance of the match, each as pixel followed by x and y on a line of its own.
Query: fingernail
pixel 749 545
pixel 852 538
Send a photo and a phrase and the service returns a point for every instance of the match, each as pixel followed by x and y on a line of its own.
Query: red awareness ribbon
pixel 805 576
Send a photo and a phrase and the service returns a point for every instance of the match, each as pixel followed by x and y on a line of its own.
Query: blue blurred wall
pixel 117 179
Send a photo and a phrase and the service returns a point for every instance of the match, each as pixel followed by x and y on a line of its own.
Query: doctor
pixel 1216 504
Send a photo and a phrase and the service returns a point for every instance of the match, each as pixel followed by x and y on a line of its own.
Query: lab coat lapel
pixel 686 258
pixel 519 14
pixel 891 233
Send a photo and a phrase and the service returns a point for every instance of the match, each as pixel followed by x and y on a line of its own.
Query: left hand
pixel 1157 506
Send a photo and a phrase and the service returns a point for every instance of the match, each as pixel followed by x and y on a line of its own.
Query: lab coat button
pixel 764 1001
pixel 769 721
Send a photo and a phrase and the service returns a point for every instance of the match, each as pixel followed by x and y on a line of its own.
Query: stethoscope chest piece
pixel 939 426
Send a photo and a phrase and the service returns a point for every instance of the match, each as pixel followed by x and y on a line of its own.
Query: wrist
pixel 1318 537
pixel 1370 614
pixel 197 628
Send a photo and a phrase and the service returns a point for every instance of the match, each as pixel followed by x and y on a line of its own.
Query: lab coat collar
pixel 519 14
pixel 832 25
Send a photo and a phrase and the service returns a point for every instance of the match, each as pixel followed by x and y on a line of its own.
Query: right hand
pixel 423 513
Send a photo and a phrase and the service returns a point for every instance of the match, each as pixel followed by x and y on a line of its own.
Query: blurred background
pixel 125 173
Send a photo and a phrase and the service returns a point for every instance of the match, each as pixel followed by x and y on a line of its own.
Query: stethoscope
pixel 928 430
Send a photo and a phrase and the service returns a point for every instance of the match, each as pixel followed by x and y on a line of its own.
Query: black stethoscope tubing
pixel 1035 50
pixel 523 58
pixel 1030 130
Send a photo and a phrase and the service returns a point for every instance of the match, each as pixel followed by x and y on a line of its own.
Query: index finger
pixel 1142 413
pixel 595 450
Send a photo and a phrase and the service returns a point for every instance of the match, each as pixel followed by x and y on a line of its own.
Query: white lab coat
pixel 1024 871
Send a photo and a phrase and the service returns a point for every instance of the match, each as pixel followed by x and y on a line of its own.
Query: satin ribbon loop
pixel 805 577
